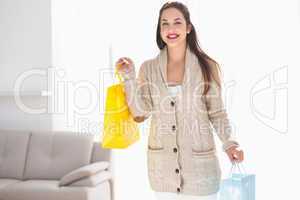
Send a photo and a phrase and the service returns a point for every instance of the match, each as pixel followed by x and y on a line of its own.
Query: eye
pixel 177 22
pixel 163 24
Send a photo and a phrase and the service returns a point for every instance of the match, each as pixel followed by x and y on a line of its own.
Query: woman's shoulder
pixel 150 64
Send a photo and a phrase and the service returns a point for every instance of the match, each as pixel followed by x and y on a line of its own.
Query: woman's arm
pixel 217 112
pixel 218 117
pixel 137 91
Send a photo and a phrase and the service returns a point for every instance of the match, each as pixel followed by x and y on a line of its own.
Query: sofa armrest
pixel 83 172
pixel 93 180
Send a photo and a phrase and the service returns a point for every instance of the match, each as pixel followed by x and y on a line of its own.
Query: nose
pixel 171 29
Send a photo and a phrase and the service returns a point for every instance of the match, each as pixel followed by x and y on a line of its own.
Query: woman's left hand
pixel 235 155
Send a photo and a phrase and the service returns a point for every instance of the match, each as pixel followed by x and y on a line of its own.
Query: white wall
pixel 80 49
pixel 25 41
pixel 25 44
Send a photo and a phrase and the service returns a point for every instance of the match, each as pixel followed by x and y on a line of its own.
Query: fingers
pixel 128 60
pixel 238 155
pixel 235 155
pixel 121 62
pixel 241 155
pixel 124 62
pixel 232 159
pixel 230 155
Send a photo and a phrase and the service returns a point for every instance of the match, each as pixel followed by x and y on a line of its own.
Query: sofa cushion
pixel 53 155
pixel 93 180
pixel 100 154
pixel 6 182
pixel 49 190
pixel 13 150
pixel 83 172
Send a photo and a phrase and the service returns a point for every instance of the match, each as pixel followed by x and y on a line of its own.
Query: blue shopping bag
pixel 238 186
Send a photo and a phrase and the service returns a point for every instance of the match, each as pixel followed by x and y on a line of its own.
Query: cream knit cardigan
pixel 181 153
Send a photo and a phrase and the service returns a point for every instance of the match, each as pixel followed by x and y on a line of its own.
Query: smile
pixel 172 36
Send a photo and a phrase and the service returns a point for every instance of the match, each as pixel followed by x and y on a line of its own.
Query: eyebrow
pixel 176 19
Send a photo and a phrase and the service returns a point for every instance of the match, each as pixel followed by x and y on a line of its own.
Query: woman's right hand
pixel 125 67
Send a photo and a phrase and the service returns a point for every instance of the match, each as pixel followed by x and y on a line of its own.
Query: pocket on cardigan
pixel 202 154
pixel 207 169
pixel 155 149
pixel 155 163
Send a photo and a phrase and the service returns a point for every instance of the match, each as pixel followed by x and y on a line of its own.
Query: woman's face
pixel 173 27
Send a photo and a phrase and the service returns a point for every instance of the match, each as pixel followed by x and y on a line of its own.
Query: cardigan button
pixel 175 150
pixel 178 189
pixel 177 171
pixel 173 127
pixel 172 103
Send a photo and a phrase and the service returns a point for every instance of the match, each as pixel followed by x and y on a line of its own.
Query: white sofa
pixel 53 166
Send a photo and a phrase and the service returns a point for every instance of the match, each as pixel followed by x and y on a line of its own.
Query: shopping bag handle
pixel 239 166
pixel 117 73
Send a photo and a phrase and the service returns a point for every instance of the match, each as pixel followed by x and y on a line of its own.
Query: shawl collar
pixel 191 63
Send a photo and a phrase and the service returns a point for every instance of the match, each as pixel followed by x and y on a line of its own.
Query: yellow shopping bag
pixel 120 130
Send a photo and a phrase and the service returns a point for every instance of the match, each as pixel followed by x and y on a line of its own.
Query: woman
pixel 181 90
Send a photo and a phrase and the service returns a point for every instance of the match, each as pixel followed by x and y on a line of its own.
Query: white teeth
pixel 172 36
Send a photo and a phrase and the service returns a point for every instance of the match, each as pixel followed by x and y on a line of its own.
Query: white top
pixel 174 89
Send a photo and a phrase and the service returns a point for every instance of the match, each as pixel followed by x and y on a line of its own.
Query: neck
pixel 176 54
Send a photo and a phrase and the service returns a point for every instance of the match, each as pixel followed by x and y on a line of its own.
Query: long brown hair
pixel 209 67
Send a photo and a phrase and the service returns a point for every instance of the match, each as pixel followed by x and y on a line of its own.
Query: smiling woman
pixel 181 156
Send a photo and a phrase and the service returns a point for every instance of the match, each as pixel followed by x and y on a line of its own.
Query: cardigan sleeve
pixel 138 93
pixel 218 116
